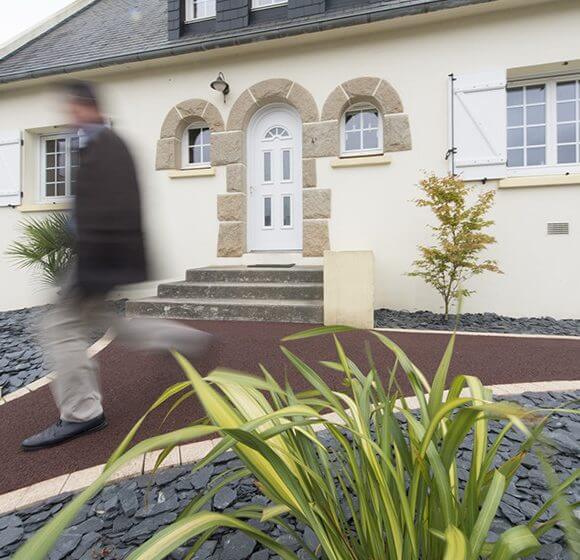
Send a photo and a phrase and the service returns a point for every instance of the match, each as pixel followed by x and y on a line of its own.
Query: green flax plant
pixel 373 478
pixel 46 246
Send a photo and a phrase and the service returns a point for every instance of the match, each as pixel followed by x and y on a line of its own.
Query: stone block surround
pixel 321 138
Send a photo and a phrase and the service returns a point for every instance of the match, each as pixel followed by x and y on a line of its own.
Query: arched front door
pixel 274 147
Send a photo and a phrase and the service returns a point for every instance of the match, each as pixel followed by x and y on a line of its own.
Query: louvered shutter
pixel 10 168
pixel 479 125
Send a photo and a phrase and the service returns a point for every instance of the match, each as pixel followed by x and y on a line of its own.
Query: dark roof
pixel 116 31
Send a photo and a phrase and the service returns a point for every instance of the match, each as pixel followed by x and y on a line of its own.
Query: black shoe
pixel 62 431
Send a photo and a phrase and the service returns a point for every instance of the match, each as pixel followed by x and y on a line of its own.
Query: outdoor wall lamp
pixel 220 84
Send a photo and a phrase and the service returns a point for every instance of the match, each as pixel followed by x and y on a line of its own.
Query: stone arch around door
pixel 174 125
pixel 230 150
pixel 371 90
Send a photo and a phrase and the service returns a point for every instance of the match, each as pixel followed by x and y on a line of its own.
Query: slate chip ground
pixel 19 329
pixel 476 322
pixel 126 514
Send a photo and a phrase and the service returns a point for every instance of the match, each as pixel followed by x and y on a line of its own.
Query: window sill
pixel 194 172
pixel 539 181
pixel 360 161
pixel 46 207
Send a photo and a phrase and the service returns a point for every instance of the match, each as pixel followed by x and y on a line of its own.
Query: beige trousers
pixel 66 337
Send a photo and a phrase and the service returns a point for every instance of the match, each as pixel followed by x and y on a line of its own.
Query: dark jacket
pixel 109 234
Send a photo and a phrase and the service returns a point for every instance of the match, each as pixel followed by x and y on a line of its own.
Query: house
pixel 269 131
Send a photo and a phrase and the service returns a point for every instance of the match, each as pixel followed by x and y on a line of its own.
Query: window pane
pixel 536 114
pixel 190 155
pixel 515 116
pixel 566 91
pixel 50 175
pixel 267 167
pixel 267 212
pixel 353 141
pixel 197 155
pixel 61 160
pixel 61 145
pixel 286 172
pixel 353 121
pixel 566 133
pixel 515 158
pixel 515 96
pixel 60 175
pixel 536 135
pixel 566 111
pixel 515 137
pixel 370 119
pixel 50 189
pixel 51 161
pixel 287 218
pixel 536 156
pixel 567 154
pixel 206 154
pixel 50 146
pixel 535 94
pixel 194 136
pixel 370 139
pixel 60 189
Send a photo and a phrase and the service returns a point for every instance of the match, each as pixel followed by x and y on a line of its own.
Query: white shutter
pixel 479 125
pixel 10 168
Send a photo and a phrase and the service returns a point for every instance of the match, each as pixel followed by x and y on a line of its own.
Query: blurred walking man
pixel 110 252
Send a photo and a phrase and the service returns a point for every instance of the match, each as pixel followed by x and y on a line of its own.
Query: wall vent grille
pixel 558 228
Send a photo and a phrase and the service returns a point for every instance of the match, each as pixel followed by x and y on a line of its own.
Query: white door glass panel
pixel 275 180
pixel 286 165
pixel 267 167
pixel 287 211
pixel 267 211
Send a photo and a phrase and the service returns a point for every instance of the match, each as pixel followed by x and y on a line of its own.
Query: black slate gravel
pixel 476 322
pixel 21 360
pixel 126 514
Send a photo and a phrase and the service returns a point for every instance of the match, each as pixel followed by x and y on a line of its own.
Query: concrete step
pixel 231 274
pixel 242 290
pixel 283 311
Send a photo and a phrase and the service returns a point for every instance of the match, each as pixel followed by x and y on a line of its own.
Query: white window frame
pixel 267 4
pixel 185 164
pixel 189 10
pixel 552 167
pixel 42 196
pixel 355 153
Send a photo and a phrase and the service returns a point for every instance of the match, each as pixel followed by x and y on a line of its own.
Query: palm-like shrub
pixel 386 487
pixel 46 247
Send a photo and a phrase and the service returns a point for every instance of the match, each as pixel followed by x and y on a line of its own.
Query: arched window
pixel 196 145
pixel 361 131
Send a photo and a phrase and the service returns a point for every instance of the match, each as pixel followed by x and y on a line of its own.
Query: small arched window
pixel 361 131
pixel 196 145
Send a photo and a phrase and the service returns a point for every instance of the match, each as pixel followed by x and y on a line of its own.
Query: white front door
pixel 275 180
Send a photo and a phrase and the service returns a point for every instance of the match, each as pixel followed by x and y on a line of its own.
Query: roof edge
pixel 32 33
pixel 289 29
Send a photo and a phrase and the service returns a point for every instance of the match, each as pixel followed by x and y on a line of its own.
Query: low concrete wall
pixel 349 288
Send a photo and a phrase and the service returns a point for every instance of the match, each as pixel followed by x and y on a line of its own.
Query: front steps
pixel 289 295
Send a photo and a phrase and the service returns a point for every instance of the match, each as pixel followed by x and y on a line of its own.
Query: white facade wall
pixel 372 207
